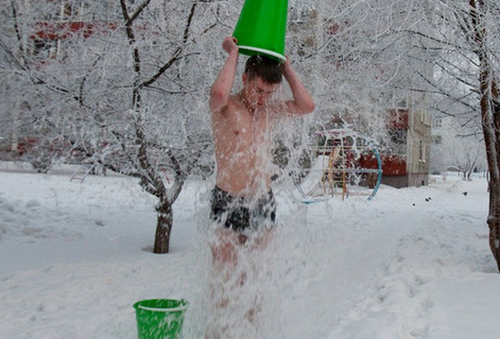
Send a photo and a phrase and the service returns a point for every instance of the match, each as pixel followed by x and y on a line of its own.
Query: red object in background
pixel 64 30
pixel 393 165
pixel 26 144
pixel 368 161
pixel 398 118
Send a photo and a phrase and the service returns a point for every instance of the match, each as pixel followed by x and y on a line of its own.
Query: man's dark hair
pixel 269 70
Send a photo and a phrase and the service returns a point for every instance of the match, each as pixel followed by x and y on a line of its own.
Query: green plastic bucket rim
pixel 263 51
pixel 182 307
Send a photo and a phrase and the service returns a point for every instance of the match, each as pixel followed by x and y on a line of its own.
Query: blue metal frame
pixel 379 176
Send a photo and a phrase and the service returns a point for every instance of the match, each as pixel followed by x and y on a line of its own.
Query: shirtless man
pixel 243 205
pixel 241 123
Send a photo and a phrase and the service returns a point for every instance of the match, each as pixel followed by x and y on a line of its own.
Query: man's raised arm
pixel 302 102
pixel 221 88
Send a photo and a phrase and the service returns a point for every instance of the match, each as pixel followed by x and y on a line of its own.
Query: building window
pixel 398 137
pixel 421 151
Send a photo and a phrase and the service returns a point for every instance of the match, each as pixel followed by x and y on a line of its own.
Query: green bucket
pixel 160 318
pixel 261 28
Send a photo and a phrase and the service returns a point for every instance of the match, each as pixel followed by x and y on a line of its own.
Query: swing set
pixel 344 163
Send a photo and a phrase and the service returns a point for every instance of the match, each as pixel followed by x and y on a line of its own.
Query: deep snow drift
pixel 412 263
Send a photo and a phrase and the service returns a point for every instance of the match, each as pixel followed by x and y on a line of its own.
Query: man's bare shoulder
pixel 233 105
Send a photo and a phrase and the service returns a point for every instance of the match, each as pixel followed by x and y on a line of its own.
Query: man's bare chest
pixel 249 129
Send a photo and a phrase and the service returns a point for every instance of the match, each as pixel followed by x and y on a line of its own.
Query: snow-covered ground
pixel 411 263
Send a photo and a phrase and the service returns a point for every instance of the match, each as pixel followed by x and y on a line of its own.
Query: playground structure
pixel 344 163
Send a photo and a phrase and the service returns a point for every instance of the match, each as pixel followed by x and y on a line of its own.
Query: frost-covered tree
pixel 458 143
pixel 466 37
pixel 121 84
pixel 366 62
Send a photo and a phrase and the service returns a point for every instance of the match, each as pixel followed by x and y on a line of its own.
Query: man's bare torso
pixel 242 145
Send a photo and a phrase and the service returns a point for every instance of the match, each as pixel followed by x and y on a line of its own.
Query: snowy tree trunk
pixel 490 114
pixel 491 126
pixel 494 221
pixel 163 226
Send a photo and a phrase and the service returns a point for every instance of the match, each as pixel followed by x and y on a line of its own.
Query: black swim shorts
pixel 242 214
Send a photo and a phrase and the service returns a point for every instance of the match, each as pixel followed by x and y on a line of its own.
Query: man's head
pixel 261 78
pixel 270 70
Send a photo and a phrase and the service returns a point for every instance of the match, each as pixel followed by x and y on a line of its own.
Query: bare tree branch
pixel 177 54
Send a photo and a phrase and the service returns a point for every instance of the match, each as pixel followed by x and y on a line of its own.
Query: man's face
pixel 257 92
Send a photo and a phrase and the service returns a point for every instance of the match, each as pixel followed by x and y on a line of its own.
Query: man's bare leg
pixel 233 265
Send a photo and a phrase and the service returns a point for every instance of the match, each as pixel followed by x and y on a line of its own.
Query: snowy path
pixel 355 246
pixel 72 261
pixel 439 251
